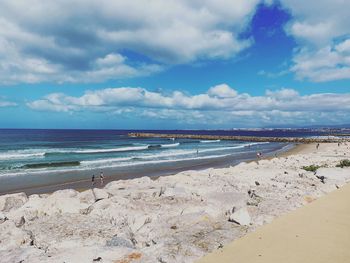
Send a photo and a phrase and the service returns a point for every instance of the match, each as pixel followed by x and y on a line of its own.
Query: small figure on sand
pixel 317 146
pixel 101 178
pixel 93 180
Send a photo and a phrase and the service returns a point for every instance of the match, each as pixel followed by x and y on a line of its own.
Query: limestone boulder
pixel 3 217
pixel 179 192
pixel 12 237
pixel 87 197
pixel 240 216
pixel 53 205
pixel 65 193
pixel 225 200
pixel 12 201
pixel 100 194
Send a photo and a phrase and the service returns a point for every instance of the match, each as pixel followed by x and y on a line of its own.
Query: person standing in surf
pixel 93 180
pixel 101 178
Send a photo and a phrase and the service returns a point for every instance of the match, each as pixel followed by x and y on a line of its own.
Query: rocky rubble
pixel 175 218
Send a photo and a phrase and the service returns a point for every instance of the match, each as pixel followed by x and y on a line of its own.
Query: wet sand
pixel 81 185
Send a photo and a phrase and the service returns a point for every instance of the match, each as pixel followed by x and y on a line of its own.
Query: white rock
pixel 12 201
pixel 53 205
pixel 139 222
pixel 241 217
pixel 100 194
pixel 12 237
pixel 86 197
pixel 65 193
pixel 3 218
pixel 226 200
pixel 176 192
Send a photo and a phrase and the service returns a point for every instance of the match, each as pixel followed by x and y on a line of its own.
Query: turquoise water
pixel 35 157
pixel 30 151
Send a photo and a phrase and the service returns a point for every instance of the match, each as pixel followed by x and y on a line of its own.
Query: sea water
pixel 37 157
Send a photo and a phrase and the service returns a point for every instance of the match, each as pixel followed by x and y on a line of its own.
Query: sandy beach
pixel 176 218
pixel 319 232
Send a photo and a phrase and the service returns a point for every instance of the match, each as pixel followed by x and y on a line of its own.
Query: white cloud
pixel 322 31
pixel 283 94
pixel 222 91
pixel 318 22
pixel 16 67
pixel 274 107
pixel 4 103
pixel 325 64
pixel 71 41
pixel 95 41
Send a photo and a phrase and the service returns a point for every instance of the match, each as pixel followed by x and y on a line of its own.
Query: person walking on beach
pixel 101 178
pixel 318 145
pixel 93 180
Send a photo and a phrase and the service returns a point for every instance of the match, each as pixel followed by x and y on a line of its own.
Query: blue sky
pixel 174 64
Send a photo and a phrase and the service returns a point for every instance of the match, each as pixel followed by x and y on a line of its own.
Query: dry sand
pixel 316 233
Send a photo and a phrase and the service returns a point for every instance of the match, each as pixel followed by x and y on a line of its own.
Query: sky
pixel 175 64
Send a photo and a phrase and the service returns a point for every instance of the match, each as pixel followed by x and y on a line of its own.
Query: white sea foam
pixel 111 165
pixel 230 147
pixel 123 164
pixel 209 141
pixel 140 157
pixel 160 156
pixel 21 154
pixel 125 149
pixel 120 149
pixel 256 143
pixel 116 162
pixel 170 145
pixel 108 160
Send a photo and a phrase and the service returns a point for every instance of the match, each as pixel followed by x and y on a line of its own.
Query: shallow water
pixel 41 157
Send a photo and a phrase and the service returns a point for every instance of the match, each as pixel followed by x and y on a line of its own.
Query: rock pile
pixel 175 218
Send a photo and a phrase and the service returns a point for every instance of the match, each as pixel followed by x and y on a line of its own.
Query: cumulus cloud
pixel 4 103
pixel 322 32
pixel 219 104
pixel 326 64
pixel 77 41
pixel 222 91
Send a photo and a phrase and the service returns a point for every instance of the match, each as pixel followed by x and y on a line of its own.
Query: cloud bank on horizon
pixel 218 105
pixel 86 42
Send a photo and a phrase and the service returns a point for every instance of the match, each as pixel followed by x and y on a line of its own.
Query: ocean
pixel 33 158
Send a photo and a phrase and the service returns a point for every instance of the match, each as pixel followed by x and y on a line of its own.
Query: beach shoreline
pixel 175 218
pixel 82 185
